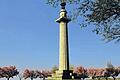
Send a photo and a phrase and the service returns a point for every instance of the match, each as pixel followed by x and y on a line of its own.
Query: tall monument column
pixel 63 20
pixel 63 43
pixel 63 73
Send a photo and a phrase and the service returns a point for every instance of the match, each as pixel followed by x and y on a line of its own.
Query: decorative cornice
pixel 63 19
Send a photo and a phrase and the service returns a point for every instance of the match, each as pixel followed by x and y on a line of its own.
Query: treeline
pixel 79 72
pixel 8 72
pixel 98 73
pixel 11 71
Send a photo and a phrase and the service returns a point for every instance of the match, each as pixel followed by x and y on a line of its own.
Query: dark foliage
pixel 8 72
pixel 104 15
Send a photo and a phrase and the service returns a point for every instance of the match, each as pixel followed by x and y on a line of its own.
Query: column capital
pixel 63 14
pixel 63 19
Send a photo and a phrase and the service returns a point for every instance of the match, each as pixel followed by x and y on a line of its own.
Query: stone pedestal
pixel 62 75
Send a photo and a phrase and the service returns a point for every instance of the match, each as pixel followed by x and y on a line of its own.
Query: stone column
pixel 63 43
pixel 63 73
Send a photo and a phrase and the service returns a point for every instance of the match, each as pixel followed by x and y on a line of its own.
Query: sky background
pixel 29 38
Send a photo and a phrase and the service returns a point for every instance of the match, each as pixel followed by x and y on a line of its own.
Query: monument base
pixel 62 75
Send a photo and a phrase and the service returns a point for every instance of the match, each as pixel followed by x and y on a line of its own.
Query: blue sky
pixel 29 38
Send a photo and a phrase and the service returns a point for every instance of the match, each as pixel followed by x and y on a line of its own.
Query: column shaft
pixel 63 51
